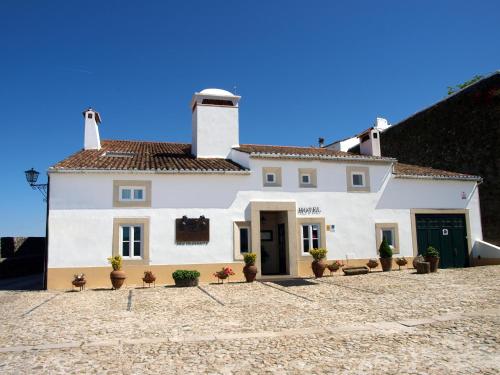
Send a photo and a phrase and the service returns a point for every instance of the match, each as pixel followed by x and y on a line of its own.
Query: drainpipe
pixel 46 255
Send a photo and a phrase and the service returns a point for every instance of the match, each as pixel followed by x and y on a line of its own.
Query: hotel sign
pixel 308 211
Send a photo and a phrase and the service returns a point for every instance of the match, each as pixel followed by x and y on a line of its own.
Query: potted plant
pixel 318 265
pixel 385 253
pixel 334 266
pixel 417 259
pixel 117 276
pixel 149 278
pixel 250 270
pixel 432 256
pixel 401 262
pixel 372 263
pixel 79 281
pixel 185 278
pixel 223 274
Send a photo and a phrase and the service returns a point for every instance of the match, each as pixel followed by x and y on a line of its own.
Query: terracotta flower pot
pixel 434 263
pixel 117 278
pixel 318 267
pixel 386 264
pixel 418 258
pixel 79 283
pixel 372 263
pixel 149 278
pixel 250 272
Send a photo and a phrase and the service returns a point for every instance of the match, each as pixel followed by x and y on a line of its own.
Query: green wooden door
pixel 448 234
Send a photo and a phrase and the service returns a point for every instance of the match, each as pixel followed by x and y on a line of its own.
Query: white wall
pixel 81 212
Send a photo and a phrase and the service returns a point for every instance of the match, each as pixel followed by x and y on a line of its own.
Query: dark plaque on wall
pixel 194 230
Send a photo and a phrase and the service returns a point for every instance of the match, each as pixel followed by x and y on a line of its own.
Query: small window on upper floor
pixel 90 115
pixel 131 193
pixel 271 176
pixel 358 179
pixel 307 177
pixel 135 193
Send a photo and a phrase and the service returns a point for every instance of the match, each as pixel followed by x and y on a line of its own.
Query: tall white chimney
pixel 92 140
pixel 215 123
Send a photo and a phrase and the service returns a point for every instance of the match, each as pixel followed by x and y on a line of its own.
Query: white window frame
pixel 363 177
pixel 309 179
pixel 310 226
pixel 271 174
pixel 131 241
pixel 132 190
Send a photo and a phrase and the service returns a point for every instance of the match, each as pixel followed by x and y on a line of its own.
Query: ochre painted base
pixel 486 262
pixel 98 277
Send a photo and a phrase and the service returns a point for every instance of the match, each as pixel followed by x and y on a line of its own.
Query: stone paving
pixel 393 323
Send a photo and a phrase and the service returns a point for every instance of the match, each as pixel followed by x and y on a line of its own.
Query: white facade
pixel 82 212
pixel 347 198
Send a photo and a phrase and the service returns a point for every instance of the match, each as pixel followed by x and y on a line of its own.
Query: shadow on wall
pixel 21 256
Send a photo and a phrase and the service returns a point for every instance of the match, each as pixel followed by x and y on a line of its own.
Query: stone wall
pixel 459 134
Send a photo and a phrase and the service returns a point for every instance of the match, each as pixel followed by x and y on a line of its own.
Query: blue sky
pixel 304 69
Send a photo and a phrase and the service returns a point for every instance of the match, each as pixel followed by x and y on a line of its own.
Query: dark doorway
pixel 448 234
pixel 273 242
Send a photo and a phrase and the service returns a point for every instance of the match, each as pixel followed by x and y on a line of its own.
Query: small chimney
pixel 369 142
pixel 92 140
pixel 321 142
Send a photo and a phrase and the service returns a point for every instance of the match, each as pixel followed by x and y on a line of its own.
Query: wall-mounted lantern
pixel 31 178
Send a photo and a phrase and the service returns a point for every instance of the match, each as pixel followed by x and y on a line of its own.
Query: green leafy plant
pixel 116 262
pixel 250 258
pixel 431 252
pixel 385 250
pixel 454 89
pixel 319 253
pixel 185 275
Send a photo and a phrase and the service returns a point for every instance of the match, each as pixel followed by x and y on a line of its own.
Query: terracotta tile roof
pixel 139 155
pixel 407 170
pixel 303 152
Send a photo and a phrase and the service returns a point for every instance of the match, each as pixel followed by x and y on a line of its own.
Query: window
pixel 307 177
pixel 375 135
pixel 271 176
pixel 310 237
pixel 388 234
pixel 89 115
pixel 242 239
pixel 131 241
pixel 389 231
pixel 132 193
pixel 358 179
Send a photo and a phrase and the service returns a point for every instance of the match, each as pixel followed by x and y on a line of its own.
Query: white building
pixel 167 206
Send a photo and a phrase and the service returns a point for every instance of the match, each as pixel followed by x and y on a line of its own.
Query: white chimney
pixel 369 142
pixel 381 123
pixel 91 137
pixel 215 124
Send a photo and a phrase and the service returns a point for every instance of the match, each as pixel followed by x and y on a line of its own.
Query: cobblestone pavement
pixel 393 323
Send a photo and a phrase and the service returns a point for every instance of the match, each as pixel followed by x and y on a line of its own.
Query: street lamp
pixel 31 178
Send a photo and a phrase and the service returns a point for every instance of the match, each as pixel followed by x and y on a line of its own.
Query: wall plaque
pixel 193 230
